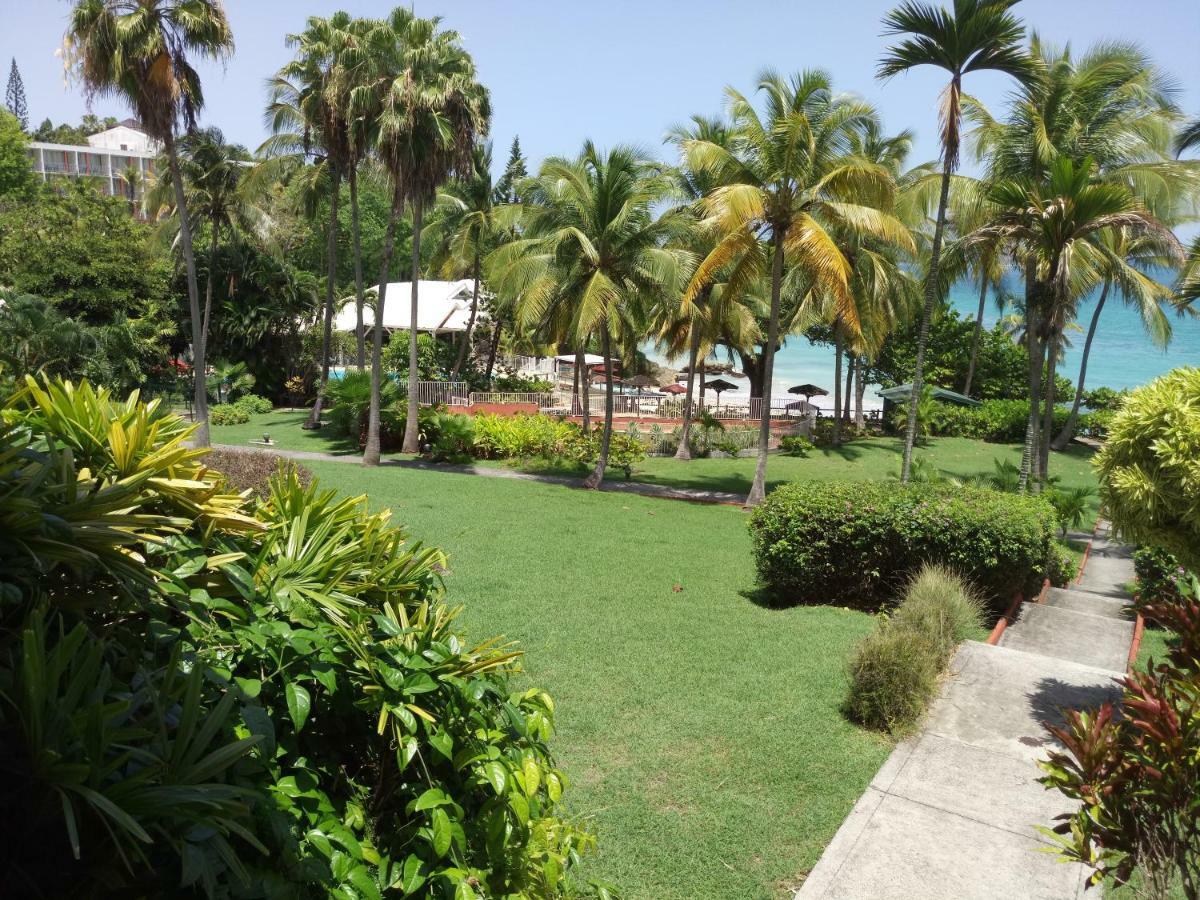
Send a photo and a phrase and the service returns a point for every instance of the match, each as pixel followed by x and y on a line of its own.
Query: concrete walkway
pixel 695 495
pixel 952 814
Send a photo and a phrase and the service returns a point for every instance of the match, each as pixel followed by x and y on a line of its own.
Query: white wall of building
pixel 123 137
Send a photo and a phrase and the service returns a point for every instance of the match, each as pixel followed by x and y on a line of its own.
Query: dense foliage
pixel 209 694
pixel 1134 775
pixel 856 542
pixel 894 670
pixel 1160 578
pixel 1150 466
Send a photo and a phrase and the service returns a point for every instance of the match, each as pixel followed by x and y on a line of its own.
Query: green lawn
pixel 284 427
pixel 701 732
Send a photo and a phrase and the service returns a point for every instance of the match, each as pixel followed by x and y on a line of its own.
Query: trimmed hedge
pixel 856 542
pixel 1003 421
pixel 254 404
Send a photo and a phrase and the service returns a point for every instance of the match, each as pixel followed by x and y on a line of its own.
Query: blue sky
pixel 619 71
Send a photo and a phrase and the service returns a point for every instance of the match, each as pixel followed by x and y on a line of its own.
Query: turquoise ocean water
pixel 1122 355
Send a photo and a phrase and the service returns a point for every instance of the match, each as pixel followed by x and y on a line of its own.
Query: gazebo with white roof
pixel 443 307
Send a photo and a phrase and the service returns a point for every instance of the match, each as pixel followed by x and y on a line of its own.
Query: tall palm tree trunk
pixel 1068 430
pixel 314 418
pixel 931 298
pixel 1051 343
pixel 758 488
pixel 685 432
pixel 412 434
pixel 356 237
pixel 584 388
pixel 597 476
pixel 837 385
pixel 849 387
pixel 983 285
pixel 371 451
pixel 466 343
pixel 860 388
pixel 497 327
pixel 1029 455
pixel 199 368
pixel 206 319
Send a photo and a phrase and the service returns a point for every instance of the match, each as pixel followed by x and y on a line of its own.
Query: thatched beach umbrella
pixel 720 385
pixel 809 391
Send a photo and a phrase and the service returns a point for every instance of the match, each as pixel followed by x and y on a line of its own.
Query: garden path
pixel 954 811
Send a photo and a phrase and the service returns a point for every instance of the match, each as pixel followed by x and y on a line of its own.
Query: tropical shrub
pixel 1160 577
pixel 1149 467
pixel 209 694
pixel 254 404
pixel 350 401
pixel 252 470
pixel 227 414
pixel 455 438
pixel 856 542
pixel 796 445
pixel 997 421
pixel 1134 776
pixel 1095 424
pixel 894 670
pixel 1070 504
pixel 521 437
pixel 624 450
pixel 1104 398
pixel 516 384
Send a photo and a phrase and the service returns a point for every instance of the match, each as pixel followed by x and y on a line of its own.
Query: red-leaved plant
pixel 1137 776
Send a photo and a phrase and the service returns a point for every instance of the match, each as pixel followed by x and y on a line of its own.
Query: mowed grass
pixel 701 732
pixel 862 460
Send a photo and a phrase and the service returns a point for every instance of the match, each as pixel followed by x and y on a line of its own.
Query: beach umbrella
pixel 720 385
pixel 809 391
pixel 639 382
pixel 674 389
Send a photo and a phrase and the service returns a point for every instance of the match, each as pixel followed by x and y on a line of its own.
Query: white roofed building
pixel 443 307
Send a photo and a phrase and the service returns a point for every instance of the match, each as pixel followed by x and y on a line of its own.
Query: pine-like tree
pixel 514 171
pixel 14 96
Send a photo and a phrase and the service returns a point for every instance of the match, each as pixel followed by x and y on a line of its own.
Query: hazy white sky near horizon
pixel 621 71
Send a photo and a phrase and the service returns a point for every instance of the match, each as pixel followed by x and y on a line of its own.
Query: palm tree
pixel 308 113
pixel 1124 259
pixel 139 50
pixel 217 195
pixel 1113 106
pixel 593 258
pixel 428 112
pixel 976 35
pixel 466 227
pixel 1053 227
pixel 785 182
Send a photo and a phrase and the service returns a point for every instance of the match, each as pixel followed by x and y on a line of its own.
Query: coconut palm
pixel 140 50
pixel 466 227
pixel 593 259
pixel 428 111
pixel 1053 227
pixel 976 35
pixel 1113 106
pixel 1124 262
pixel 786 180
pixel 308 113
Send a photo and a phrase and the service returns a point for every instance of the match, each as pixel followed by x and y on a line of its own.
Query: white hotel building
pixel 109 154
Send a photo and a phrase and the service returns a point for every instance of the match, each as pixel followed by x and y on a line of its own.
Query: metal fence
pixel 441 393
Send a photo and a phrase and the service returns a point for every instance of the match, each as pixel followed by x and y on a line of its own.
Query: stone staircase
pixel 952 814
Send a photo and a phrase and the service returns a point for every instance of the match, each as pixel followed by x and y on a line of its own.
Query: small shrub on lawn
pixel 227 414
pixel 253 404
pixel 1063 567
pixel 941 606
pixel 455 439
pixel 252 470
pixel 893 679
pixel 857 542
pixel 894 670
pixel 796 445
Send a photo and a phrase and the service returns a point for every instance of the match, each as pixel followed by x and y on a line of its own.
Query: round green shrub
pixel 227 414
pixel 857 542
pixel 253 404
pixel 1150 466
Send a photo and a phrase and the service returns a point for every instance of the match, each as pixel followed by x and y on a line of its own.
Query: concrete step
pixel 1093 640
pixel 1088 602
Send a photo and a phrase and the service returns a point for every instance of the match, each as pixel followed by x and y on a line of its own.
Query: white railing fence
pixel 440 393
